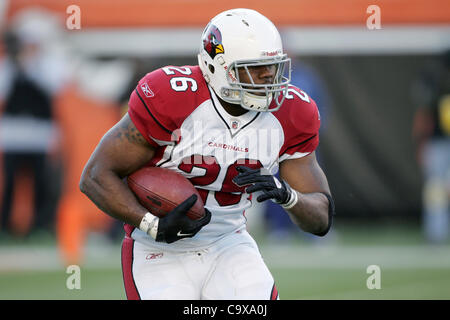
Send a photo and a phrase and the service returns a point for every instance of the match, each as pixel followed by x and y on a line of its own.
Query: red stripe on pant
pixel 274 293
pixel 127 269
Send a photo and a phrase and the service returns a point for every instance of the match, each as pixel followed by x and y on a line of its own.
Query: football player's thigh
pixel 161 275
pixel 240 273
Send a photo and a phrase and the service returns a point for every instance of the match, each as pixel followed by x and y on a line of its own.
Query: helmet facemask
pixel 252 95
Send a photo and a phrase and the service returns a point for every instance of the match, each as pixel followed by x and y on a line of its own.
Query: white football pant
pixel 230 269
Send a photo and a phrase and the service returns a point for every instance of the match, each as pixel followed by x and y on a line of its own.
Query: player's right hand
pixel 176 225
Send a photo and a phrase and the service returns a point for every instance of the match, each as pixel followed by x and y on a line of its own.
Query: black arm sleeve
pixel 331 214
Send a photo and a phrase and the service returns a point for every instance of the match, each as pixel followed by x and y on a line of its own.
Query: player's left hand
pixel 271 188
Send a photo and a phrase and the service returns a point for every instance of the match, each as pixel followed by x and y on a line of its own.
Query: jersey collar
pixel 233 123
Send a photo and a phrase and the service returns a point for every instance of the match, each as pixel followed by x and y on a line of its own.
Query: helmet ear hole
pixel 211 68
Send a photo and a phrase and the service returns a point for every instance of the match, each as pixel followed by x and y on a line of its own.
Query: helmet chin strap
pixel 254 102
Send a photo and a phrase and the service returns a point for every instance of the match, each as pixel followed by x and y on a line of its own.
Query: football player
pixel 227 124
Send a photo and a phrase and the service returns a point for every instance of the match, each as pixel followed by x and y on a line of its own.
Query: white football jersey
pixel 179 114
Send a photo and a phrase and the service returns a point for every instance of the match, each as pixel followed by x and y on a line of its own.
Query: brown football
pixel 160 190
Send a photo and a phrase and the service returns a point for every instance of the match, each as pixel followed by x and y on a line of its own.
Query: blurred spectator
pixel 278 223
pixel 30 76
pixel 431 132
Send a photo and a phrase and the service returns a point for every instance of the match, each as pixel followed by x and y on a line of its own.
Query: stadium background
pixel 366 79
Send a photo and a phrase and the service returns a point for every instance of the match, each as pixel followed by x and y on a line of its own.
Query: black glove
pixel 272 188
pixel 176 225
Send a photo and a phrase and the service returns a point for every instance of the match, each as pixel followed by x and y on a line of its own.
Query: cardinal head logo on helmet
pixel 212 41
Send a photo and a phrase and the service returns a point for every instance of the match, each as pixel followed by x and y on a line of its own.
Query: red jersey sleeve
pixel 300 120
pixel 158 110
pixel 146 110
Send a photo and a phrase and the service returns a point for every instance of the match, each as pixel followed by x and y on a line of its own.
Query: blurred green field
pixel 293 283
pixel 330 268
pixel 96 284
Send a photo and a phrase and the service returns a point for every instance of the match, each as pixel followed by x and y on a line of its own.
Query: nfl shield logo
pixel 234 124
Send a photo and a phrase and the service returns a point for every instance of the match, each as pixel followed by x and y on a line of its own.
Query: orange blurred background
pixel 182 13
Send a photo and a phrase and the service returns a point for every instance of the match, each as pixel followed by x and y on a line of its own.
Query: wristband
pixel 293 199
pixel 149 224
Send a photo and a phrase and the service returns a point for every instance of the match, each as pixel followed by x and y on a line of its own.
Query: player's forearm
pixel 111 195
pixel 311 212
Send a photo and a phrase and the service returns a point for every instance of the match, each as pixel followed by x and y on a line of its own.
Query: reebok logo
pixel 152 256
pixel 146 90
